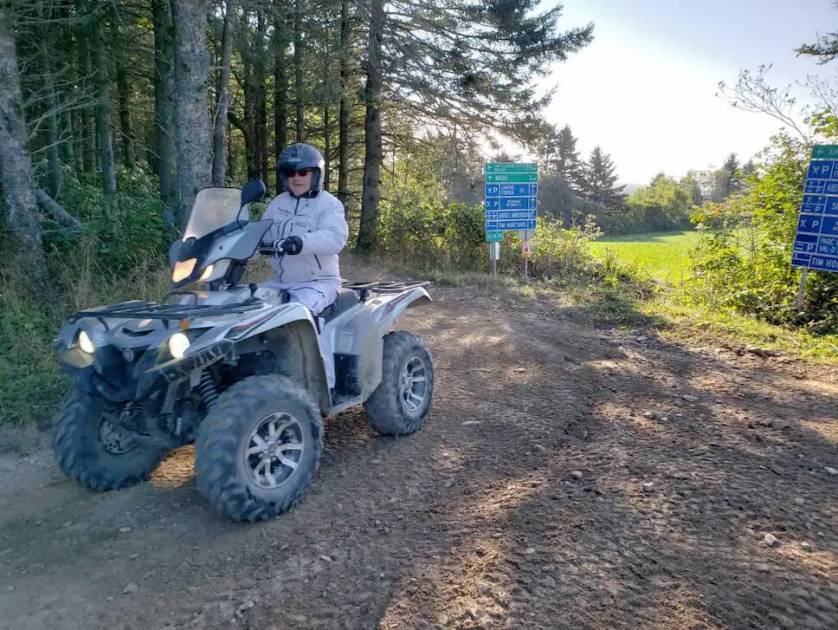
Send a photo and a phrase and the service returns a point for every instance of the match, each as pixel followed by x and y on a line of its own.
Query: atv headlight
pixel 183 269
pixel 85 343
pixel 178 345
pixel 207 273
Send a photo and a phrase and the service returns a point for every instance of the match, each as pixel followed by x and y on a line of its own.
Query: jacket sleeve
pixel 273 232
pixel 331 234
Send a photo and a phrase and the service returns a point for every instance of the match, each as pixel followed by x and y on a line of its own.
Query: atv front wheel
pixel 92 447
pixel 258 448
pixel 401 401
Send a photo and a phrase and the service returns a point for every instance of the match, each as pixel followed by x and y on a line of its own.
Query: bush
pixel 121 233
pixel 434 236
pixel 120 254
pixel 744 261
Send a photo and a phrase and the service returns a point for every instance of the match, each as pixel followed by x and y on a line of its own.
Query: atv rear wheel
pixel 258 448
pixel 400 403
pixel 92 447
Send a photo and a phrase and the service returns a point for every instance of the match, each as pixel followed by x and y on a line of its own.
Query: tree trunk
pixel 15 165
pixel 87 138
pixel 231 156
pixel 103 106
pixel 219 136
pixel 123 86
pixel 327 148
pixel 280 81
pixel 298 69
pixel 368 230
pixel 260 72
pixel 68 146
pixel 164 128
pixel 53 161
pixel 194 145
pixel 343 112
pixel 249 123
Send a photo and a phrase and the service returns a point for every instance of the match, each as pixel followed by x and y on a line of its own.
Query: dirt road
pixel 568 477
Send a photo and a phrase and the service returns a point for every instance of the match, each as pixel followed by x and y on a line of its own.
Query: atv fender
pixel 358 343
pixel 393 308
pixel 292 334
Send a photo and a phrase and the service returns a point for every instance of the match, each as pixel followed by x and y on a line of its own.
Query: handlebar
pixel 271 249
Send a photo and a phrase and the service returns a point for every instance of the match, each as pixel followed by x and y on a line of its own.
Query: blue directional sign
pixel 510 203
pixel 511 197
pixel 816 241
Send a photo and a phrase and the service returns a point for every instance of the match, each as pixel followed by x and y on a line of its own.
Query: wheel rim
pixel 274 450
pixel 115 440
pixel 413 384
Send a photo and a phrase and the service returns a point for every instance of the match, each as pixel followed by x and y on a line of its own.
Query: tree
pixel 164 91
pixel 124 90
pixel 662 205
pixel 557 200
pixel 727 180
pixel 94 17
pixel 825 48
pixel 280 44
pixel 344 107
pixel 556 151
pixel 219 129
pixel 299 88
pixel 459 65
pixel 194 145
pixel 368 233
pixel 600 183
pixel 15 165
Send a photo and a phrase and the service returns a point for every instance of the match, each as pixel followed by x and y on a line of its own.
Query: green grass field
pixel 662 255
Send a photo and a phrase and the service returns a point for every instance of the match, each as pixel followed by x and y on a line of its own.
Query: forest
pixel 115 113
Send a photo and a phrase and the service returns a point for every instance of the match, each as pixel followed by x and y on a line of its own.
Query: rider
pixel 310 230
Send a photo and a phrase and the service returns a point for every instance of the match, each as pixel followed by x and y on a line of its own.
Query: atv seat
pixel 346 299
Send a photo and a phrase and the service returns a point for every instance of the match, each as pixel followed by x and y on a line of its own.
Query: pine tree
pixel 727 180
pixel 194 140
pixel 600 181
pixel 458 64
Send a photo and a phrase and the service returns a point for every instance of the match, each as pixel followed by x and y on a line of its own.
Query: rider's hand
pixel 292 245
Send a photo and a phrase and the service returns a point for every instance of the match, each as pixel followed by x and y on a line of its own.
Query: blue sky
pixel 644 90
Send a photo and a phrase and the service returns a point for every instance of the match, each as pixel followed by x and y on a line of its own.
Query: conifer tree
pixel 600 185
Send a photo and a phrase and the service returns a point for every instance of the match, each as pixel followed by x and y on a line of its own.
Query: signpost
pixel 511 195
pixel 816 241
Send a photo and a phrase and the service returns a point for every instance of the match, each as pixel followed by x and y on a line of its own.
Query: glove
pixel 292 246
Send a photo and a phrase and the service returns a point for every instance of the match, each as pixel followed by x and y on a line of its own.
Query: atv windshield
pixel 214 208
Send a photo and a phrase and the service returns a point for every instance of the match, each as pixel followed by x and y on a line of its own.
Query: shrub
pixel 744 260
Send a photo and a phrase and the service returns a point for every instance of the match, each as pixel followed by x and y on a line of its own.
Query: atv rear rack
pixel 385 286
pixel 139 309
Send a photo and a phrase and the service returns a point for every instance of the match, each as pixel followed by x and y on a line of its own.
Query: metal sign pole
pixel 800 290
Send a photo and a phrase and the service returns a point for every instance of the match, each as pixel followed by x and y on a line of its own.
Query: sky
pixel 645 89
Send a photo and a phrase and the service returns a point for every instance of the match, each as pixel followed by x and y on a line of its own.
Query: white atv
pixel 235 368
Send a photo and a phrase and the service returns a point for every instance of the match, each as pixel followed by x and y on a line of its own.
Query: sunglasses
pixel 298 172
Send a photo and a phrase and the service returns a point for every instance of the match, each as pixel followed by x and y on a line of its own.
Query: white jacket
pixel 320 222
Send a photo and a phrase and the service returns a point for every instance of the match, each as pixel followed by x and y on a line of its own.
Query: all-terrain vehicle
pixel 235 368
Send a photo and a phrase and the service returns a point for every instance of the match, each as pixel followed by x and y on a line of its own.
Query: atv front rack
pixel 139 309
